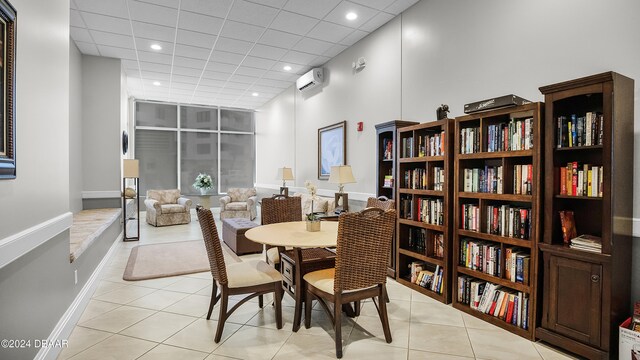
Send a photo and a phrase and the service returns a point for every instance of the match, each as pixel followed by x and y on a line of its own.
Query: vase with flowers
pixel 204 183
pixel 313 221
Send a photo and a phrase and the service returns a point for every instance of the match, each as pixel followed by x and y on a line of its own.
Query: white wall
pixel 75 128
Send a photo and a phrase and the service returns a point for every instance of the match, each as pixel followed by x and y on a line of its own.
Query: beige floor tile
pixel 156 283
pixel 118 319
pixel 218 357
pixel 500 344
pixel 158 300
pixel 125 294
pixel 192 305
pixel 165 352
pixel 373 350
pixel 420 297
pixel 188 285
pixel 199 335
pixel 82 338
pixel 397 291
pixel 421 355
pixel 201 275
pixel 105 286
pixel 95 308
pixel 472 322
pixel 435 314
pixel 267 317
pixel 548 352
pixel 205 292
pixel 451 340
pixel 299 346
pixel 321 325
pixel 242 314
pixel 116 347
pixel 370 328
pixel 158 327
pixel 253 343
pixel 396 310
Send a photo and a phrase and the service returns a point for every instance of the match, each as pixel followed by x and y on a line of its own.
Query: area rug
pixel 170 259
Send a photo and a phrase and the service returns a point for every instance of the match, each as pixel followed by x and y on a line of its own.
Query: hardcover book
pixel 494 103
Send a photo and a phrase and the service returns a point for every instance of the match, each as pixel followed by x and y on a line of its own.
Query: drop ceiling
pixel 228 53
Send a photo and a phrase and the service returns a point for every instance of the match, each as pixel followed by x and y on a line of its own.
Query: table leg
pixel 299 289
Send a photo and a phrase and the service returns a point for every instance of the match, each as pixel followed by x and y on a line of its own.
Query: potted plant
pixel 204 183
pixel 313 221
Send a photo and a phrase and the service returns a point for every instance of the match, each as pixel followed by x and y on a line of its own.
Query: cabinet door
pixel 573 303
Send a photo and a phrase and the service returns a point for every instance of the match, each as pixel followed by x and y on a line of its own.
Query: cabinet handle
pixel 595 278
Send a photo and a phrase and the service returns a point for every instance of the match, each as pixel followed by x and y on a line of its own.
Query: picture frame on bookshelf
pixel 332 148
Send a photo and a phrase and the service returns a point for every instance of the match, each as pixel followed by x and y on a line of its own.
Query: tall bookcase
pixel 586 295
pixel 423 205
pixel 497 195
pixel 386 156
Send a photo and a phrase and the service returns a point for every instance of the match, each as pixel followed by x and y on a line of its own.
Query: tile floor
pixel 165 319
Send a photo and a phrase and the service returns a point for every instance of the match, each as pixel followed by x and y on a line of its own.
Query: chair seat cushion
pixel 172 208
pixel 273 255
pixel 236 206
pixel 323 280
pixel 251 273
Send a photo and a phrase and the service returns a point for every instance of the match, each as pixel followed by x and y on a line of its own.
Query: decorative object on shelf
pixel 341 175
pixel 131 200
pixel 284 174
pixel 204 183
pixel 7 91
pixel 125 142
pixel 332 148
pixel 494 103
pixel 441 112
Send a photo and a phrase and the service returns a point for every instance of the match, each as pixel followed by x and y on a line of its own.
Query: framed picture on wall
pixel 7 91
pixel 332 148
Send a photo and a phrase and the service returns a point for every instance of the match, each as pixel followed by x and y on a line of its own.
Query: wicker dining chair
pixel 254 278
pixel 277 209
pixel 384 203
pixel 364 240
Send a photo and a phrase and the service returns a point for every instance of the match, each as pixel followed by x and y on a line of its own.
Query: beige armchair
pixel 239 203
pixel 166 207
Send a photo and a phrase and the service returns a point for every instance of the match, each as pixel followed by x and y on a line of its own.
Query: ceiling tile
pixel 192 51
pixel 329 32
pixel 279 75
pixel 376 4
pixel 319 61
pixel 249 71
pixel 257 62
pixel 211 84
pixel 274 83
pixel 241 31
pixel 251 13
pixel 273 3
pixel 87 48
pixel 377 21
pixel 155 76
pixel 233 45
pixel 159 15
pixel 221 67
pixel 334 50
pixel 154 57
pixel 154 32
pixel 130 64
pixel 110 39
pixel 338 15
pixel 242 79
pixel 312 46
pixel 297 57
pixel 201 23
pixel 188 62
pixel 116 52
pixel 80 34
pixel 216 8
pixel 179 70
pixel 184 79
pixel 168 3
pixel 175 91
pixel 293 23
pixel 400 6
pixel 143 44
pixel 182 86
pixel 149 66
pixel 354 37
pixel 236 92
pixel 267 52
pixel 75 19
pixel 112 7
pixel 279 39
pixel 107 23
pixel 235 85
pixel 193 38
pixel 216 75
pixel 226 57
pixel 313 8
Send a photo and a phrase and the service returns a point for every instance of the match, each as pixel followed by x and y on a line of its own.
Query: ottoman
pixel 233 235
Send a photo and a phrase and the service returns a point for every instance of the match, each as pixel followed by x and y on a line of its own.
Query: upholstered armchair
pixel 239 203
pixel 166 207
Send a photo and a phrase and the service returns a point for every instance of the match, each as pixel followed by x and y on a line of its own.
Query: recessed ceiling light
pixel 255 94
pixel 287 68
pixel 351 16
pixel 156 47
pixel 156 83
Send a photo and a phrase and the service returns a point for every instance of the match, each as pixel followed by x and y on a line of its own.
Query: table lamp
pixel 341 175
pixel 284 174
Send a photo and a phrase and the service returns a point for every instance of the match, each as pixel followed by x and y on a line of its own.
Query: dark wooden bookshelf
pixel 586 295
pixel 412 160
pixel 507 160
pixel 385 132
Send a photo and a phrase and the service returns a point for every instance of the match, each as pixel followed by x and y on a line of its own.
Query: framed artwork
pixel 332 148
pixel 7 91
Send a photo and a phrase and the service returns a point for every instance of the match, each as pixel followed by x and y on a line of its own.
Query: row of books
pixel 415 179
pixel 406 151
pixel 509 221
pixel 431 144
pixel 438 178
pixel 388 181
pixel 405 208
pixel 522 179
pixel 580 130
pixel 417 242
pixel 481 256
pixel 429 279
pixel 581 180
pixel 387 154
pixel 509 305
pixel 487 180
pixel 430 211
pixel 515 135
pixel 470 219
pixel 470 140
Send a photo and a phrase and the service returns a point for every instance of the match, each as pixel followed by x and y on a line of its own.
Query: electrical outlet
pixel 75 276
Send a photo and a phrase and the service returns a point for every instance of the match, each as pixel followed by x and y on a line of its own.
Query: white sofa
pixel 320 204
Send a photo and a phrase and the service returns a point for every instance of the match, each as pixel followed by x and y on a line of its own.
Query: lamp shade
pixel 130 168
pixel 341 175
pixel 285 173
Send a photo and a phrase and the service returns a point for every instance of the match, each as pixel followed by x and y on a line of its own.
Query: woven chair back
pixel 381 202
pixel 364 242
pixel 212 243
pixel 280 208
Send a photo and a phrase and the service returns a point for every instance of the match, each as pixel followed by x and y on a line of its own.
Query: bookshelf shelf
pixel 600 280
pixel 514 136
pixel 425 162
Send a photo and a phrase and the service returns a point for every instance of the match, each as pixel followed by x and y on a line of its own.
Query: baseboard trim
pixel 68 321
pixel 322 192
pixel 21 243
pixel 101 194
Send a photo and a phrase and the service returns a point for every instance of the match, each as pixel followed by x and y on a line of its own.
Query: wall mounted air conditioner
pixel 310 79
